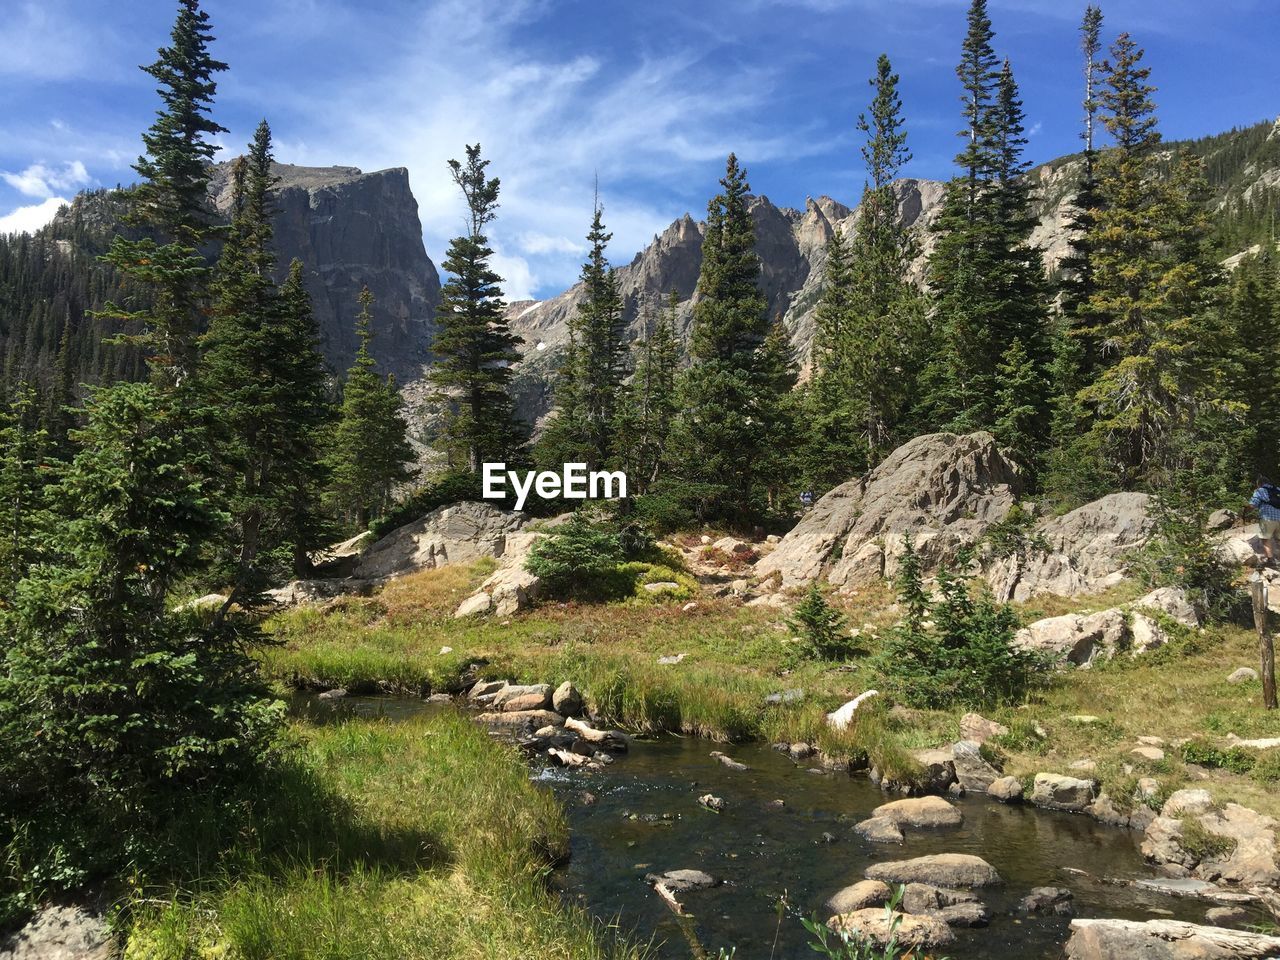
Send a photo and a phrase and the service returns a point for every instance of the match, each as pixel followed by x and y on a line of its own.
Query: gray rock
pixel 682 881
pixel 859 896
pixel 1221 520
pixel 979 729
pixel 1222 916
pixel 566 700
pixel 972 770
pixel 526 720
pixel 728 761
pixel 1165 940
pixel 945 489
pixel 1048 900
pixel 1243 675
pixel 939 870
pixel 875 925
pixel 919 812
pixel 474 606
pixel 61 932
pixel 1057 792
pixel 938 770
pixel 1075 638
pixel 926 898
pixel 516 697
pixel 458 533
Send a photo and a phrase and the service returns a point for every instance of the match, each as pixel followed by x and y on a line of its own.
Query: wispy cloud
pixel 40 180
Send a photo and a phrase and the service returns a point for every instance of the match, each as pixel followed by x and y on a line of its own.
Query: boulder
pixel 923 812
pixel 567 701
pixel 1220 916
pixel 68 931
pixel 1241 547
pixel 526 721
pixel 876 925
pixel 1075 638
pixel 973 772
pixel 939 870
pixel 514 697
pixel 1243 675
pixel 880 830
pixel 474 606
pixel 979 729
pixel 1057 792
pixel 1006 789
pixel 1247 852
pixel 1165 940
pixel 1221 520
pixel 1087 550
pixel 296 592
pixel 511 588
pixel 937 770
pixel 458 533
pixel 728 761
pixel 944 489
pixel 1172 602
pixel 682 881
pixel 859 896
pixel 1048 900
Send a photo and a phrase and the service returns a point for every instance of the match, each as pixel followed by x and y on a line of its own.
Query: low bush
pixel 821 626
pixel 1205 754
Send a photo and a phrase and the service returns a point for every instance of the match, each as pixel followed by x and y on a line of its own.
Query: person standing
pixel 1266 500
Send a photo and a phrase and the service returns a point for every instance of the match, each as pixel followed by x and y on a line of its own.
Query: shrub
pixel 578 559
pixel 965 656
pixel 1203 845
pixel 1182 554
pixel 452 487
pixel 821 626
pixel 1014 536
pixel 1205 754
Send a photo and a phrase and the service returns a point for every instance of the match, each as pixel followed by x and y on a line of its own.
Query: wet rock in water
pixel 335 694
pixel 801 751
pixel 728 761
pixel 979 729
pixel 440 698
pixel 938 770
pixel 939 869
pixel 587 798
pixel 1165 940
pixel 919 812
pixel 682 881
pixel 711 802
pixel 566 700
pixel 524 720
pixel 859 896
pixel 1056 792
pixel 969 914
pixel 1048 900
pixel 1221 916
pixel 875 924
pixel 1243 675
pixel 1006 789
pixel 926 898
pixel 1104 810
pixel 69 931
pixel 614 741
pixel 879 830
pixel 485 690
pixel 515 697
pixel 828 837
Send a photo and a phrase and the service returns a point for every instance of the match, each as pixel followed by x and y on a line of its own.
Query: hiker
pixel 1266 500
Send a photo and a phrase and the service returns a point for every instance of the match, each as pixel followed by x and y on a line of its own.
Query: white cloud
pixel 40 180
pixel 31 218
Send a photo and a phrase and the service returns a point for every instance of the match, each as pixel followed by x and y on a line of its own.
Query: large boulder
pixel 1165 940
pixel 1242 847
pixel 939 870
pixel 458 533
pixel 943 489
pixel 511 587
pixel 68 931
pixel 876 925
pixel 1057 792
pixel 920 812
pixel 1082 551
pixel 1075 638
pixel 859 896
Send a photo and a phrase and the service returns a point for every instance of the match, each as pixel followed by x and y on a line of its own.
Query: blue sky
pixel 649 96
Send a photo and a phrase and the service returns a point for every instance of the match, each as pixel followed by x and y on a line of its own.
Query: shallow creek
pixel 645 818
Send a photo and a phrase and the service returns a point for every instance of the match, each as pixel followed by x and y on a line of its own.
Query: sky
pixel 645 98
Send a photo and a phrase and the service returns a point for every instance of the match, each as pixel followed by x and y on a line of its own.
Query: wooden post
pixel 1258 592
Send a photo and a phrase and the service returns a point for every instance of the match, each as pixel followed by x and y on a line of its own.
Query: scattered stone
pixel 1243 675
pixel 1104 810
pixel 940 870
pixel 876 925
pixel 566 700
pixel 1151 741
pixel 880 830
pixel 1152 754
pixel 1084 718
pixel 587 798
pixel 441 698
pixel 801 751
pixel 1083 766
pixel 1057 792
pixel 859 896
pixel 1187 802
pixel 690 606
pixel 841 718
pixel 1006 789
pixel 526 720
pixel 1147 788
pixel 1048 900
pixel 485 688
pixel 682 881
pixel 513 697
pixel 728 761
pixel 671 660
pixel 711 802
pixel 979 729
pixel 926 812
pixel 66 931
pixel 1165 940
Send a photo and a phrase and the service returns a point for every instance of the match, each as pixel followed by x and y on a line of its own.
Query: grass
pixel 435 845
pixel 736 656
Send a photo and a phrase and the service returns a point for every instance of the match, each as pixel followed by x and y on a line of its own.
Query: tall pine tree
pixel 475 350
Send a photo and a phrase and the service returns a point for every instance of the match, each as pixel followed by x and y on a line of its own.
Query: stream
pixel 644 817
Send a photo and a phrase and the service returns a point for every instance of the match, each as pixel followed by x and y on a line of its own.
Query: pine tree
pixel 1253 313
pixel 173 202
pixel 650 400
pixel 870 320
pixel 22 445
pixel 776 406
pixel 715 451
pixel 264 383
pixel 370 450
pixel 475 350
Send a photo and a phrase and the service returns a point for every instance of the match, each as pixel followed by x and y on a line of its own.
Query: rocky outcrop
pixel 943 489
pixel 1137 627
pixel 1079 552
pixel 511 587
pixel 351 229
pixel 459 533
pixel 1233 845
pixel 1165 940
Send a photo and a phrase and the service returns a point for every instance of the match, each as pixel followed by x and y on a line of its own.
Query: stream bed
pixel 643 816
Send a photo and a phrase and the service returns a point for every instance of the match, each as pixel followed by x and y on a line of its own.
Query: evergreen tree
pixel 265 386
pixel 871 317
pixel 777 409
pixel 650 400
pixel 1254 315
pixel 715 451
pixel 370 450
pixel 173 202
pixel 475 350
pixel 22 445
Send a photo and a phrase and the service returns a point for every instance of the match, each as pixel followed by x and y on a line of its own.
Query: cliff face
pixel 351 229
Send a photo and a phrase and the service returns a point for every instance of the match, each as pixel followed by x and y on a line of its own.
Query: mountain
pixel 1243 167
